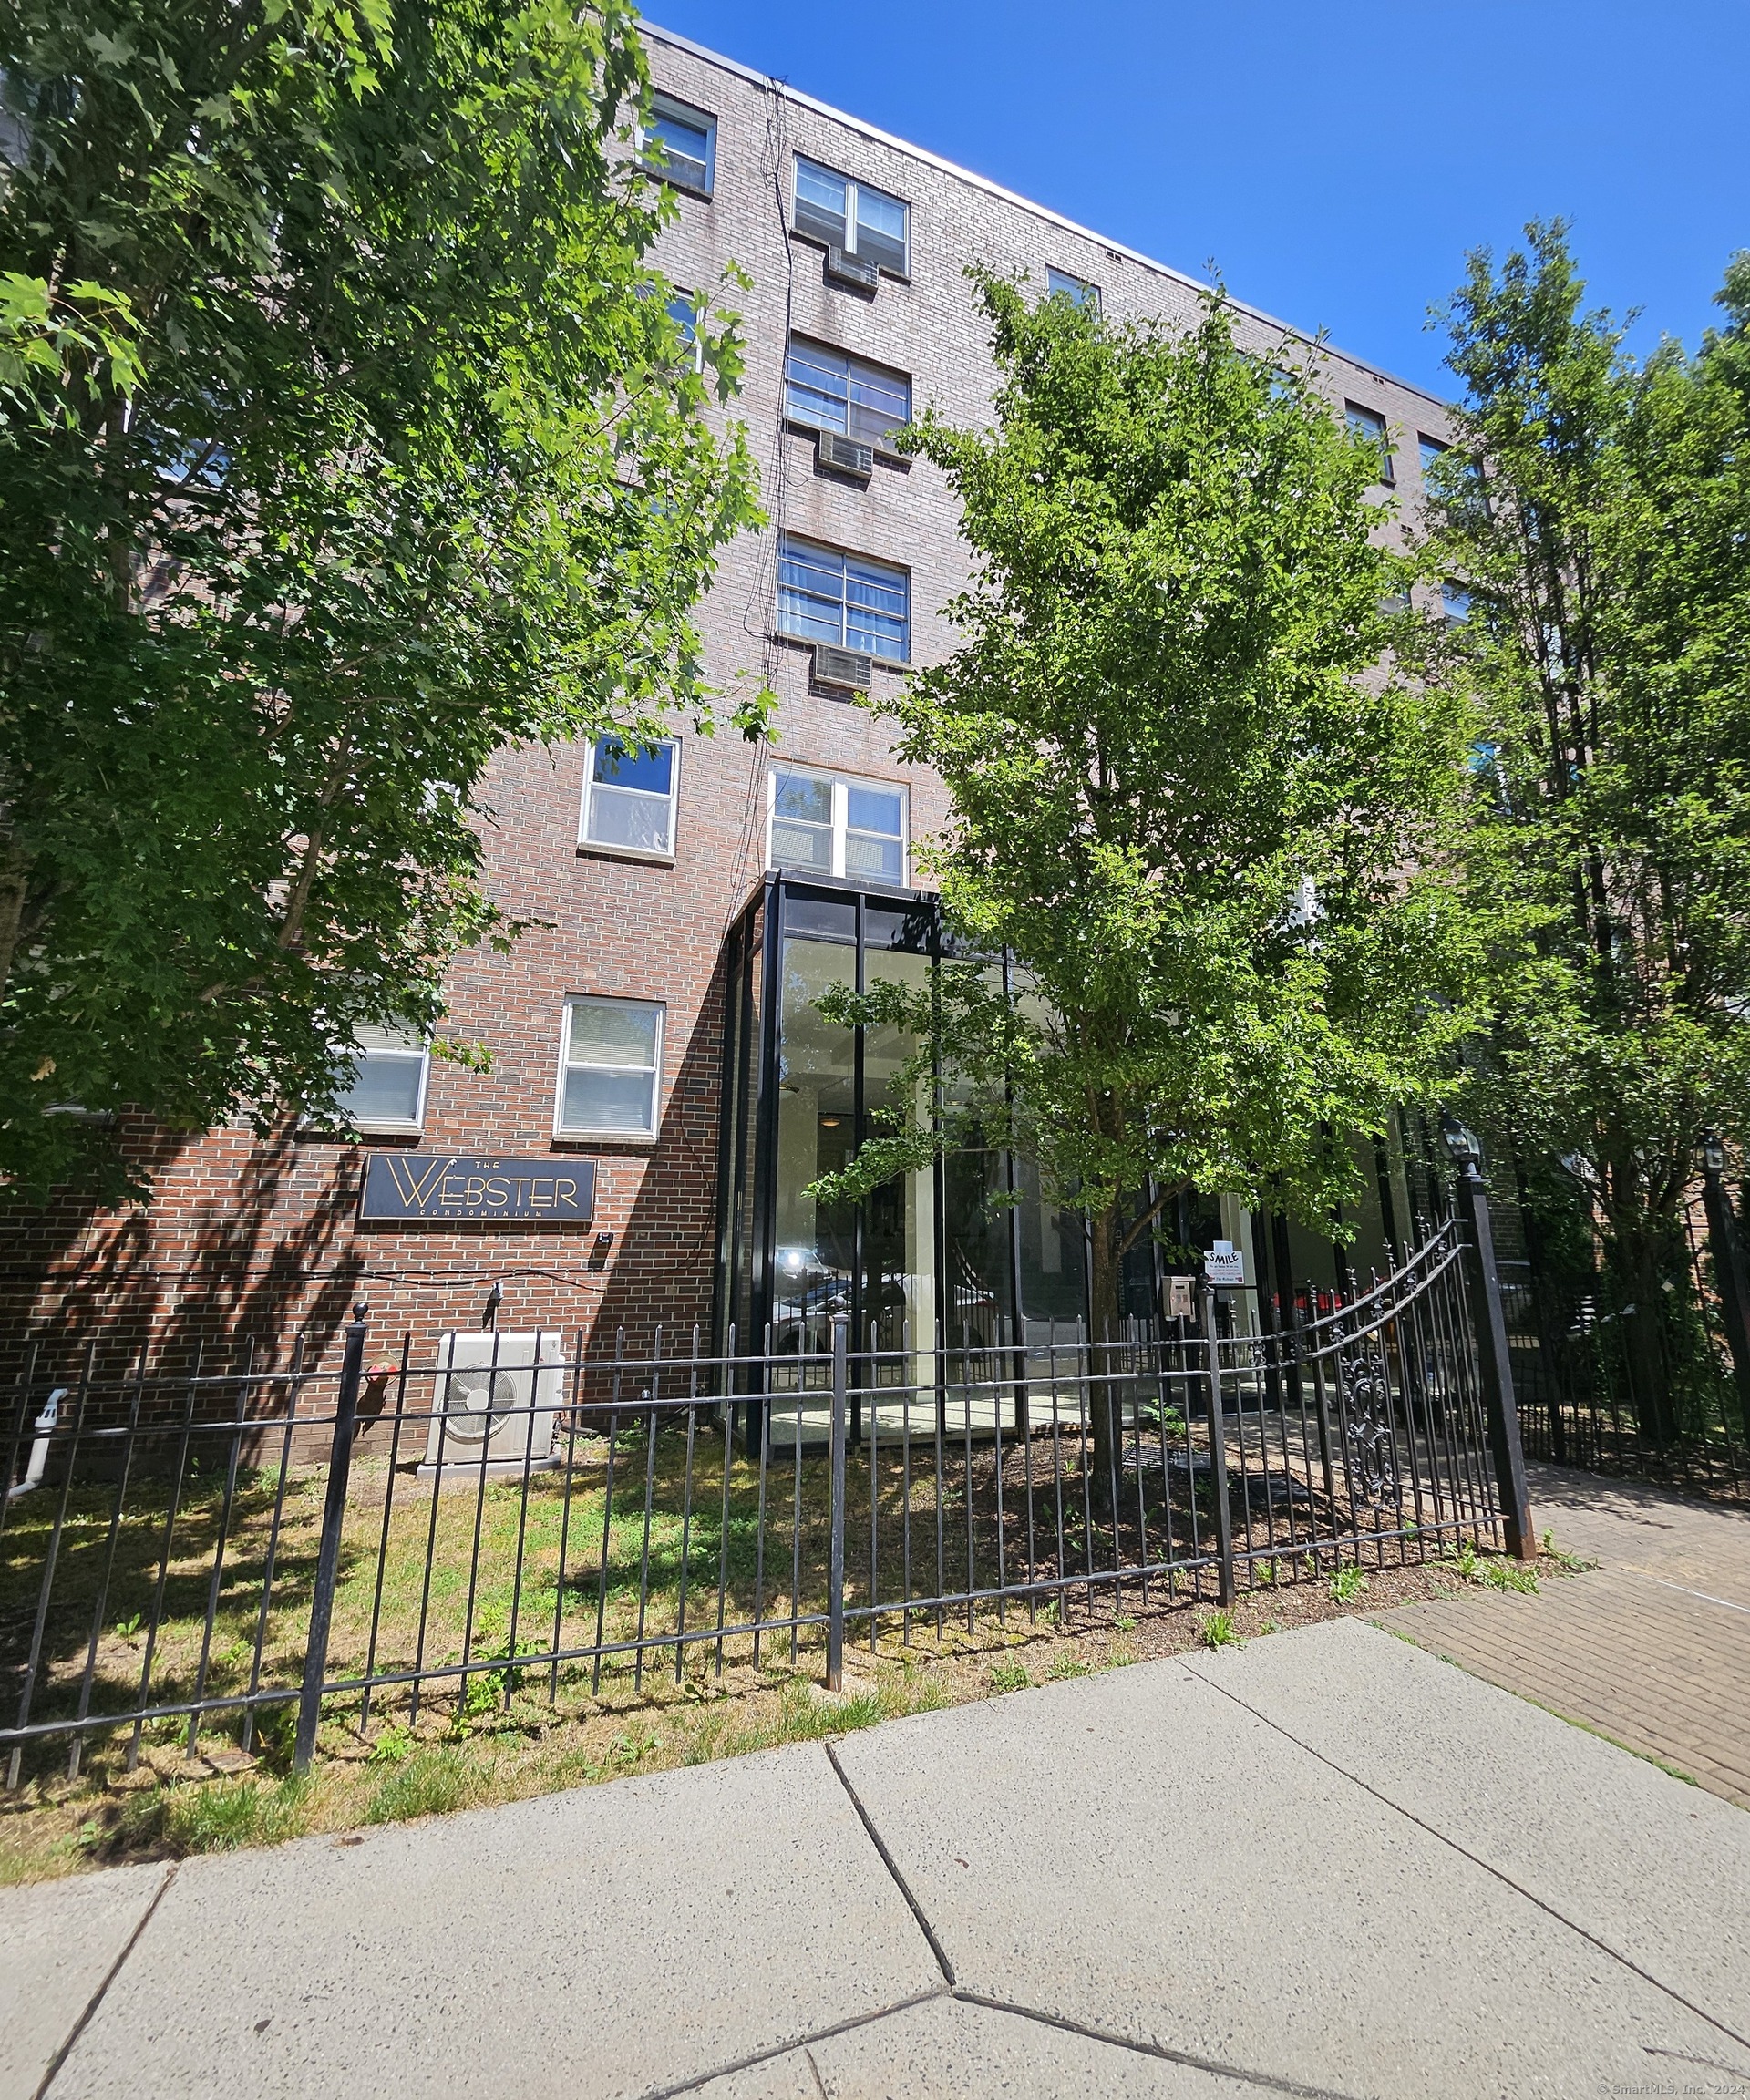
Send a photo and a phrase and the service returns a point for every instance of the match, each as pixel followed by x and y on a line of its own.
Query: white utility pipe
pixel 45 1422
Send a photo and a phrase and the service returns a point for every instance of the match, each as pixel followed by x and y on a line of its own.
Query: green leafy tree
pixel 1598 513
pixel 1190 797
pixel 349 436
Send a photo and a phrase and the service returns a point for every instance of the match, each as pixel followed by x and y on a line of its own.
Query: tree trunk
pixel 1106 1264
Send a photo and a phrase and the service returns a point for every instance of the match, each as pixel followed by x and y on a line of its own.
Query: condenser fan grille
pixel 475 1402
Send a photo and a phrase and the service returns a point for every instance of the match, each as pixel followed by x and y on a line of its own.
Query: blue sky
pixel 1336 161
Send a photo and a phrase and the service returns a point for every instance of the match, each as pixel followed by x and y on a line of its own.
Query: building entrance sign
pixel 445 1189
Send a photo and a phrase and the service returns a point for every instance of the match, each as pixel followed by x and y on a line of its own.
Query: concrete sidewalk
pixel 1328 1863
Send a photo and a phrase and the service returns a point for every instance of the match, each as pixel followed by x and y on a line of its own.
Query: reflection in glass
pixel 899 1244
pixel 814 1242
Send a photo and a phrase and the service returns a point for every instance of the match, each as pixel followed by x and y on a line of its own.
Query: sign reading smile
pixel 432 1189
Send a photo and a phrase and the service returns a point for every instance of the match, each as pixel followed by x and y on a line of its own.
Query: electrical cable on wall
pixel 762 602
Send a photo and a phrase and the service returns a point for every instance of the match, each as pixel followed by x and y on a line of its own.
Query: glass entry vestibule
pixel 939 1253
pixel 963 1255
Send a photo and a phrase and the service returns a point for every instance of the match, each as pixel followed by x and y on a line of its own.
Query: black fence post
pixel 333 1516
pixel 1218 1458
pixel 1489 1322
pixel 1729 1273
pixel 836 1568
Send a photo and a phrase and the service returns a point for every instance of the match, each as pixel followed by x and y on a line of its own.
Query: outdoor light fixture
pixel 1462 1142
pixel 1712 1154
pixel 494 1299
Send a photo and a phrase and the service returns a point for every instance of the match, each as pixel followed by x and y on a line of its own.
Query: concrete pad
pixel 1140 1855
pixel 790 2077
pixel 949 2050
pixel 1657 1871
pixel 614 1940
pixel 58 1940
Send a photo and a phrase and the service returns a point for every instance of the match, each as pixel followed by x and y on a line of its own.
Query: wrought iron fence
pixel 1581 1385
pixel 248 1550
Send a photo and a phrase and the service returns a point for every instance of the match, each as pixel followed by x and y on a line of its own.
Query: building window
pixel 629 797
pixel 823 824
pixel 610 1068
pixel 680 144
pixel 823 596
pixel 683 311
pixel 1455 603
pixel 830 391
pixel 1370 424
pixel 852 216
pixel 1431 450
pixel 388 1088
pixel 1060 284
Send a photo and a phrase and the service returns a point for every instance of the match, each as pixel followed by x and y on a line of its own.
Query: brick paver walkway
pixel 1653 1647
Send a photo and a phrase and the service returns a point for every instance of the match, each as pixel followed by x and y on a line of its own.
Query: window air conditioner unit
pixel 849 269
pixel 495 1403
pixel 845 668
pixel 845 455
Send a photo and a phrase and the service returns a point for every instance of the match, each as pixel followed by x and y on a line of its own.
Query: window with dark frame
pixel 831 390
pixel 843 600
pixel 855 216
pixel 680 144
pixel 1370 424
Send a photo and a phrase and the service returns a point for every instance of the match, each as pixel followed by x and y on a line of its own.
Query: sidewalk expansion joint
pixel 85 2018
pixel 791 2043
pixel 1267 2079
pixel 888 1860
pixel 1495 1873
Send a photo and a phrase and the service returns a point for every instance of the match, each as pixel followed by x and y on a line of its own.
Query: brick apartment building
pixel 658 1036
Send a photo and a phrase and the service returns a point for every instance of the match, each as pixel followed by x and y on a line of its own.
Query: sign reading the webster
pixel 430 1189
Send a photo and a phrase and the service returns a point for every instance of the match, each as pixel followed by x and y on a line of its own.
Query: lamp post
pixel 1490 1323
pixel 1729 1275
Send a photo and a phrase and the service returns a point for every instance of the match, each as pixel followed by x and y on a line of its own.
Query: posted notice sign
pixel 1224 1264
pixel 433 1188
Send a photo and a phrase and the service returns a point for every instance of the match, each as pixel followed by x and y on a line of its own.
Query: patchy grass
pixel 1348 1585
pixel 513 1744
pixel 1490 1571
pixel 430 1782
pixel 1216 1630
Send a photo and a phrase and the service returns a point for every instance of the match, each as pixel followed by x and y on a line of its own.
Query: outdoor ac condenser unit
pixel 844 668
pixel 845 455
pixel 496 1397
pixel 852 270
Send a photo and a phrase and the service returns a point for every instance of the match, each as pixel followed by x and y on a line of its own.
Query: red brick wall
pixel 247 1239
